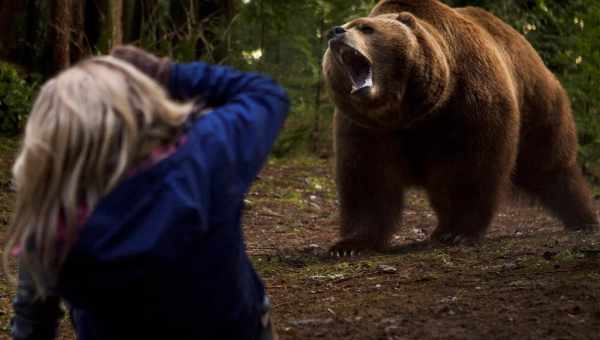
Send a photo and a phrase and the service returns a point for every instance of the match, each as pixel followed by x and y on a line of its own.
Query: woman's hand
pixel 156 68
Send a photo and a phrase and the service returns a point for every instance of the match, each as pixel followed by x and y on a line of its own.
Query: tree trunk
pixel 229 10
pixel 79 44
pixel 60 34
pixel 32 36
pixel 9 11
pixel 116 19
pixel 93 23
pixel 111 24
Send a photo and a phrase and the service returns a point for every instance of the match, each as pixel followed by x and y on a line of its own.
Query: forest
pixel 285 39
pixel 529 279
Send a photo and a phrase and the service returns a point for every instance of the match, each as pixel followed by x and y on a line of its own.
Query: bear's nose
pixel 335 32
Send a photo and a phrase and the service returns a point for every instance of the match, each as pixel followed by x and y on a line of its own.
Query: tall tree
pixel 9 12
pixel 32 35
pixel 79 42
pixel 116 20
pixel 60 34
pixel 110 13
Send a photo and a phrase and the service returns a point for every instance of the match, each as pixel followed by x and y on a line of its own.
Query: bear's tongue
pixel 358 68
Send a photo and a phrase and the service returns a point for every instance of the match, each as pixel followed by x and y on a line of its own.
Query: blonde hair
pixel 88 127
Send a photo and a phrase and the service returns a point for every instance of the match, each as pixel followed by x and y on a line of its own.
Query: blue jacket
pixel 162 256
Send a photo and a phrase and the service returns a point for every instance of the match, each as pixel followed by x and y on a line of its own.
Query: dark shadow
pixel 413 247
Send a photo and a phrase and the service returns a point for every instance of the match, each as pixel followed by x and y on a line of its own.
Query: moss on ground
pixel 528 279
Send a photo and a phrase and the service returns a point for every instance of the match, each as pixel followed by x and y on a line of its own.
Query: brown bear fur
pixel 462 106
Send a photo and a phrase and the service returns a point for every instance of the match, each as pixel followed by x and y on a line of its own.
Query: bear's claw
pixel 349 248
pixel 351 253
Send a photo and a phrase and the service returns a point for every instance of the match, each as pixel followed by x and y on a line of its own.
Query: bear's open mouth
pixel 357 66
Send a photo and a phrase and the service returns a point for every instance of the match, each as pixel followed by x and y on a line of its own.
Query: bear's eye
pixel 366 29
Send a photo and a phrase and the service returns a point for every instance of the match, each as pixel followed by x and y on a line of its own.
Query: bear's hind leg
pixel 566 194
pixel 547 167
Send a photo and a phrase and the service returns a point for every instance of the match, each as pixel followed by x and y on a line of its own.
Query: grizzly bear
pixel 453 101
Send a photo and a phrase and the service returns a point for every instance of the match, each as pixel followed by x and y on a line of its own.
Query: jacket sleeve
pixel 249 110
pixel 33 319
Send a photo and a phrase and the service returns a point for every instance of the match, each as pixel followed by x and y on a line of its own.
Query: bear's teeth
pixel 363 83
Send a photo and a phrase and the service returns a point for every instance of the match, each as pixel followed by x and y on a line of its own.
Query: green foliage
pixel 16 95
pixel 567 36
pixel 286 39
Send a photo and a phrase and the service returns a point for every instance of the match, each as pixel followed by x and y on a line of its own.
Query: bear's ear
pixel 407 19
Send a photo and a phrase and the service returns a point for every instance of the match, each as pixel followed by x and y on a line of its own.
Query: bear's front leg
pixel 370 187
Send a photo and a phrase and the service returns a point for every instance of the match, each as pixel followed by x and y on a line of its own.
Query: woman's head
pixel 88 127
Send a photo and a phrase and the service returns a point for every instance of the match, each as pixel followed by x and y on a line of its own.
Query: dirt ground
pixel 529 279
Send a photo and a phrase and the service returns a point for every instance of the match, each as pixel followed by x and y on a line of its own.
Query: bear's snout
pixel 335 32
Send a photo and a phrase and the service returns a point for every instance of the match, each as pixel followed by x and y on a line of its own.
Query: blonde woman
pixel 129 202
